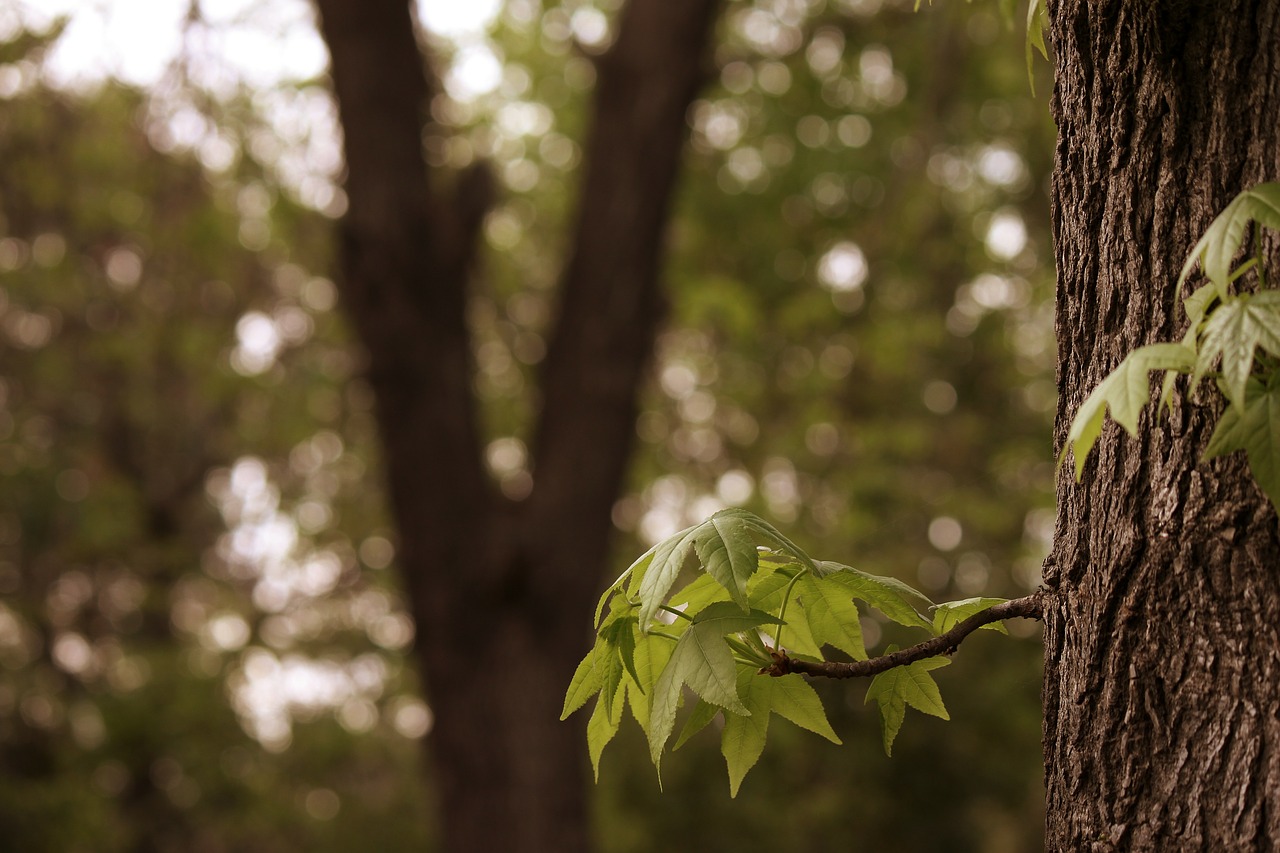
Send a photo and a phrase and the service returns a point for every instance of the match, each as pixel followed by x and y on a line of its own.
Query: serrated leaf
pixel 651 656
pixel 698 593
pixel 766 589
pixel 951 613
pixel 654 584
pixel 906 685
pixel 703 660
pixel 743 737
pixel 796 635
pixel 1256 431
pixel 794 699
pixel 702 714
pixel 728 554
pixel 601 728
pixel 1198 301
pixel 890 596
pixel 636 569
pixel 621 634
pixel 1234 330
pixel 772 535
pixel 588 678
pixel 833 617
pixel 1216 249
pixel 1124 391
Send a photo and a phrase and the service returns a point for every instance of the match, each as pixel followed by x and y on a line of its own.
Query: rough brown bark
pixel 487 578
pixel 1162 626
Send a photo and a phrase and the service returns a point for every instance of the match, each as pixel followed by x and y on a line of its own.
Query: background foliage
pixel 197 616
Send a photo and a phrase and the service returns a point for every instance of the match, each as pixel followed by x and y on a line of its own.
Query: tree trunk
pixel 1162 634
pixel 499 588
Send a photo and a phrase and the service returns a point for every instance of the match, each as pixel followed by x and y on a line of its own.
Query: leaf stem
pixel 782 611
pixel 675 612
pixel 664 635
pixel 1257 249
pixel 753 657
pixel 1244 268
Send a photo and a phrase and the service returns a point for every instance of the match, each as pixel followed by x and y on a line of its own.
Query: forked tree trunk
pixel 499 589
pixel 1162 642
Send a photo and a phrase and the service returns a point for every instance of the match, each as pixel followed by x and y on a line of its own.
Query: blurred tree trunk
pixel 499 588
pixel 1162 657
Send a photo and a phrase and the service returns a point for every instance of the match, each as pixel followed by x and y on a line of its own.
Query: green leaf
pixel 728 554
pixel 1124 391
pixel 1035 38
pixel 601 728
pixel 767 589
pixel 588 678
pixel 703 660
pixel 654 584
pixel 906 685
pixel 1198 301
pixel 1256 431
pixel 698 593
pixel 702 714
pixel 1222 240
pixel 742 740
pixel 637 568
pixel 797 635
pixel 1234 330
pixel 772 535
pixel 833 617
pixel 794 699
pixel 651 656
pixel 621 634
pixel 950 614
pixel 890 596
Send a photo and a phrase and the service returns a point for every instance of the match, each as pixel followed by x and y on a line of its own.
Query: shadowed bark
pixel 1162 623
pixel 508 582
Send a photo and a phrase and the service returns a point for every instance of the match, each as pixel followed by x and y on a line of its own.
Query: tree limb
pixel 1028 607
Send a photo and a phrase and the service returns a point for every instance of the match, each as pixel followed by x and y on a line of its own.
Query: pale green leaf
pixel 796 635
pixel 1256 431
pixel 651 656
pixel 702 714
pixel 906 685
pixel 772 535
pixel 703 660
pixel 654 584
pixel 890 596
pixel 601 728
pixel 636 569
pixel 767 588
pixel 1124 391
pixel 698 593
pixel 950 614
pixel 794 699
pixel 1216 249
pixel 833 617
pixel 1234 330
pixel 728 554
pixel 588 678
pixel 742 740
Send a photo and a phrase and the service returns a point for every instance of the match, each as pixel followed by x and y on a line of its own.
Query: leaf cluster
pixel 1232 337
pixel 758 597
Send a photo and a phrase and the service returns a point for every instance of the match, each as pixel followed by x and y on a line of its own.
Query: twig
pixel 1028 607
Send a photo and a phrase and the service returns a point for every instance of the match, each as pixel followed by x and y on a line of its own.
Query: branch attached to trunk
pixel 1028 607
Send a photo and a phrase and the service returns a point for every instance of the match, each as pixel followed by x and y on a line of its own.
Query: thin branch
pixel 1029 607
